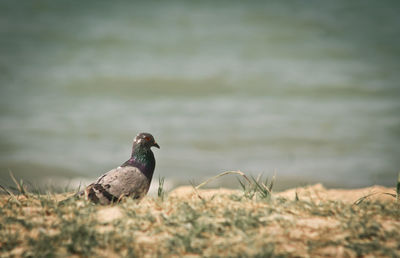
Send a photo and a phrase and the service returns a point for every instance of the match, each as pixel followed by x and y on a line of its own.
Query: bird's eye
pixel 147 138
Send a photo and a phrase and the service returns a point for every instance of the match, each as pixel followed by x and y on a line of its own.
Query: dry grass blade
pixel 10 194
pixel 222 174
pixel 360 200
pixel 396 195
pixel 398 188
pixel 20 186
pixel 195 190
pixel 390 194
pixel 6 190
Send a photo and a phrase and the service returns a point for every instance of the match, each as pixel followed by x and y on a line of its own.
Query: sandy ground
pixel 207 222
pixel 315 193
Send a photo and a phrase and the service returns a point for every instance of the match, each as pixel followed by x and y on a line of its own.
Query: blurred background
pixel 306 90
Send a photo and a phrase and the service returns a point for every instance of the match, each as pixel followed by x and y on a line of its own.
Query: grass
pixel 248 222
pixel 398 188
pixel 161 191
pixel 257 188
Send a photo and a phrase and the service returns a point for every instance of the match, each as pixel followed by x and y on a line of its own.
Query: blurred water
pixel 308 89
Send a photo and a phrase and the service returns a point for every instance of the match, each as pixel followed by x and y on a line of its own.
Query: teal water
pixel 308 90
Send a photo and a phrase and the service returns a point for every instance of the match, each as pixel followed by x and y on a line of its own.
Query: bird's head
pixel 145 140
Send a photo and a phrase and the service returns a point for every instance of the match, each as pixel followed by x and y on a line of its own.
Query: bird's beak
pixel 156 145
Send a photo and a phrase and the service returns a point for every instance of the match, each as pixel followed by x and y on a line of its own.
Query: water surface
pixel 308 90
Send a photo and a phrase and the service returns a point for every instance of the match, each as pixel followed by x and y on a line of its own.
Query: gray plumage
pixel 117 183
pixel 131 179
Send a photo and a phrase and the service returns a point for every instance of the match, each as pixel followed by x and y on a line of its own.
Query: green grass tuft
pixel 257 188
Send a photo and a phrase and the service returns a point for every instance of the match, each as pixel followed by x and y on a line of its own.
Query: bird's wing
pixel 121 181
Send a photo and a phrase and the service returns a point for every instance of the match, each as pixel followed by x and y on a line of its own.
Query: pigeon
pixel 131 179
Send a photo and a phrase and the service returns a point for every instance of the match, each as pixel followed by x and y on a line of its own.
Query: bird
pixel 131 179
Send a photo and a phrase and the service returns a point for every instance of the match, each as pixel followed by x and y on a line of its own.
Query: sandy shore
pixel 315 193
